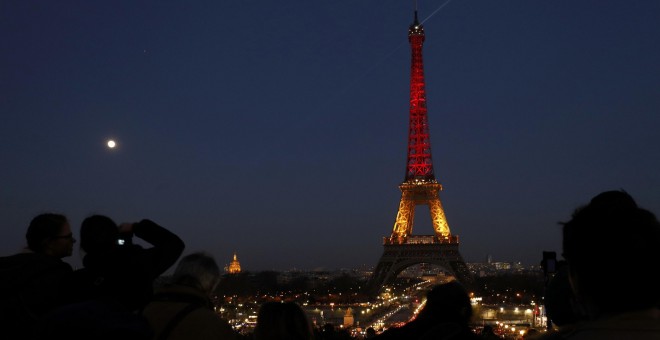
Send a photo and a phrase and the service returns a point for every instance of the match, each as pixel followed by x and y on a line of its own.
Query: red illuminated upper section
pixel 419 164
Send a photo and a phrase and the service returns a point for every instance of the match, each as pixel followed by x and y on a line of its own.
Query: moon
pixel 111 144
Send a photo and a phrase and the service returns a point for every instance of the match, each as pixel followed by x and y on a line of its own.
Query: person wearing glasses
pixel 32 281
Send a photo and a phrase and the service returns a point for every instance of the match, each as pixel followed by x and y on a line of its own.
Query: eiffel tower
pixel 402 249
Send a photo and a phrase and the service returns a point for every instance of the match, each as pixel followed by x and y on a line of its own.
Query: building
pixel 234 267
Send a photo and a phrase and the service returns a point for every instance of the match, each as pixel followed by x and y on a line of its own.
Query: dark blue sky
pixel 278 129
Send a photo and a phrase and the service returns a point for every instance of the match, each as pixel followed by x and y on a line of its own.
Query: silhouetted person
pixel 370 333
pixel 115 283
pixel 612 249
pixel 32 281
pixel 488 333
pixel 330 332
pixel 115 267
pixel 446 315
pixel 325 332
pixel 183 309
pixel 282 321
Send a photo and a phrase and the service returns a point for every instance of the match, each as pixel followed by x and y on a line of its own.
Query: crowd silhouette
pixel 594 293
pixel 115 283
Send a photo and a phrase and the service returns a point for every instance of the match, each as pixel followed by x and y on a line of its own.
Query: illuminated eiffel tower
pixel 402 249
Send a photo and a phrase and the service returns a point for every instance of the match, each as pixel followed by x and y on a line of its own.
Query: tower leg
pixel 404 218
pixel 440 225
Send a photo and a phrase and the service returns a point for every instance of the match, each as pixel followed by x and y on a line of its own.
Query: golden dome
pixel 234 266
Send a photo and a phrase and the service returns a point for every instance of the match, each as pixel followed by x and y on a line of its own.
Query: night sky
pixel 278 129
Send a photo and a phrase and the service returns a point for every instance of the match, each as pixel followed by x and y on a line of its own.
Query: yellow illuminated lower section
pixel 411 196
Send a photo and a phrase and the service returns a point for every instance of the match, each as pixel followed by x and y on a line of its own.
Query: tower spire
pixel 416 22
pixel 419 165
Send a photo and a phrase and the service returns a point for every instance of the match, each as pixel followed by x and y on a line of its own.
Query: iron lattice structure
pixel 419 162
pixel 420 187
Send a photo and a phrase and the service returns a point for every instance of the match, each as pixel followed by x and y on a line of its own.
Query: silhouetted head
pixel 370 332
pixel 448 302
pixel 98 234
pixel 328 327
pixel 611 245
pixel 282 321
pixel 197 270
pixel 50 234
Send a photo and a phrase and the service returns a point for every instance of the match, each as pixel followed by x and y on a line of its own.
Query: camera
pixel 124 239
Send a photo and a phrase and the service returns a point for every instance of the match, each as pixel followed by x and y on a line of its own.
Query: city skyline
pixel 278 131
